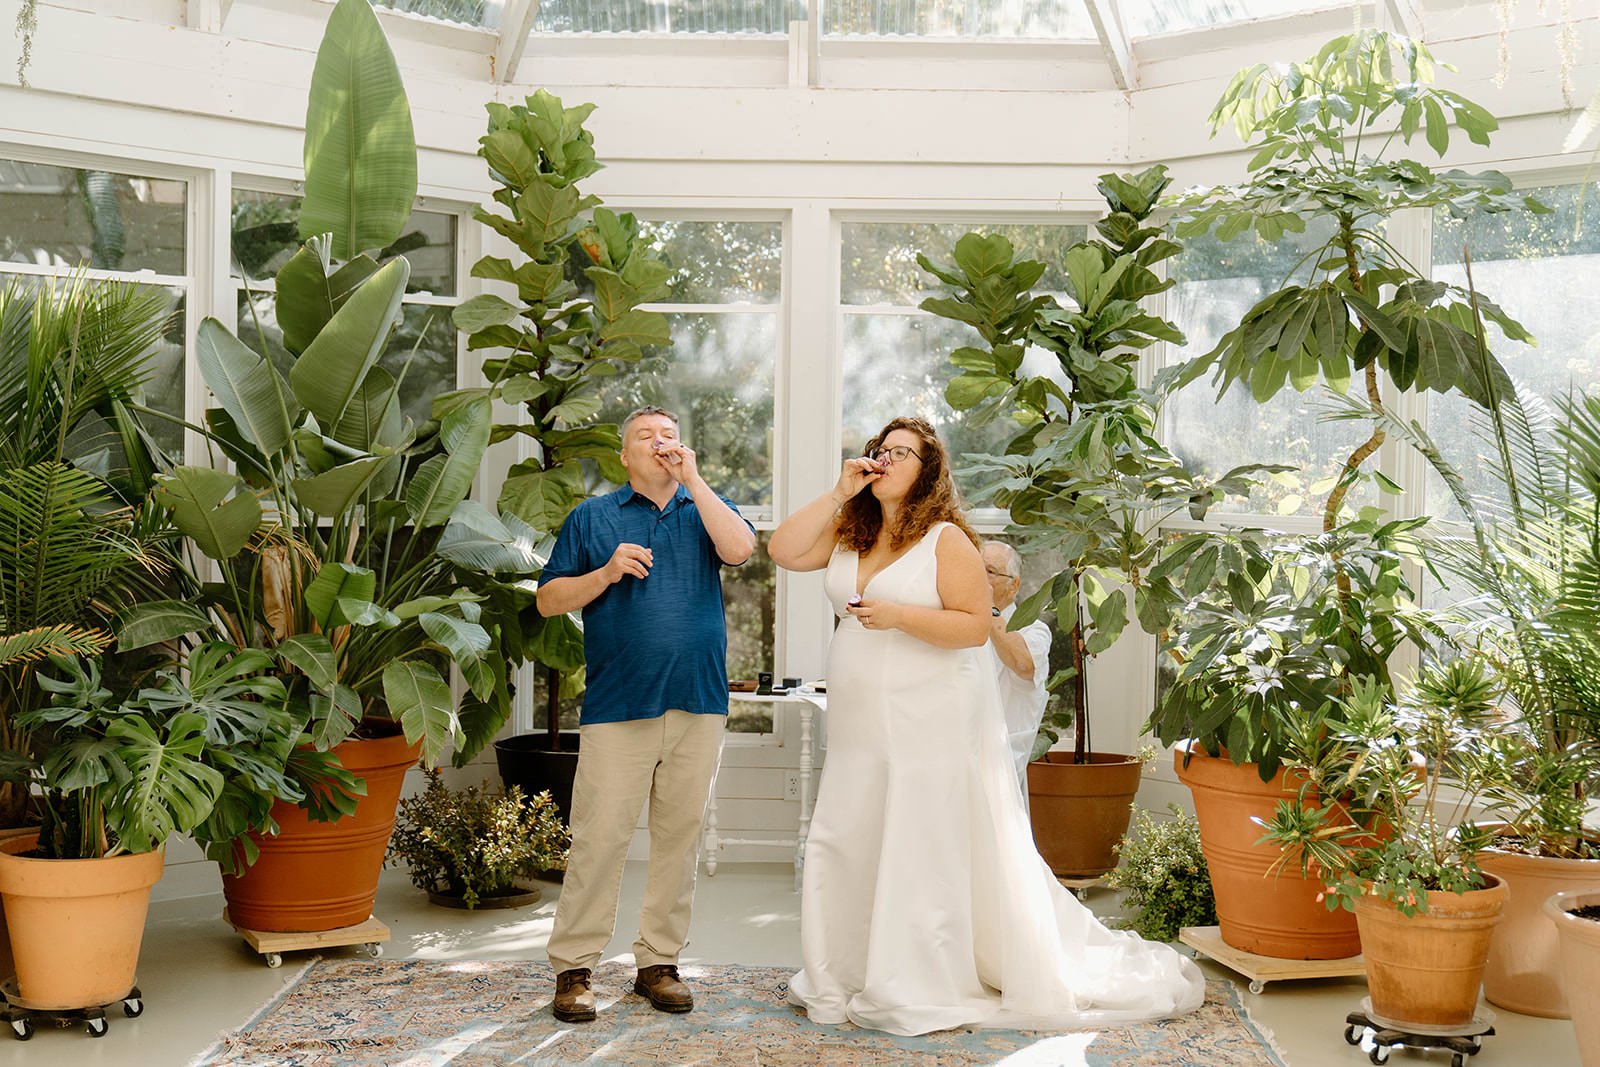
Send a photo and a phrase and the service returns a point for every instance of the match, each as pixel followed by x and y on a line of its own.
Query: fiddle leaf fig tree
pixel 575 322
pixel 1322 132
pixel 1084 475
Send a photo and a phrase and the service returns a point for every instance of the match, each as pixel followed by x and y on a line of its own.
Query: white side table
pixel 810 703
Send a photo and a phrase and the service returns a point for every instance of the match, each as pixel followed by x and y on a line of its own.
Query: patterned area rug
pixel 424 1012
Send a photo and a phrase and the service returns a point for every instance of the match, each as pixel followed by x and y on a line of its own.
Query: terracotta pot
pixel 75 925
pixel 1275 915
pixel 321 876
pixel 1579 938
pixel 1080 811
pixel 1524 969
pixel 1426 969
pixel 8 969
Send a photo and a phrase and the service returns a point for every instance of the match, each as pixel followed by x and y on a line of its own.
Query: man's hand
pixel 678 460
pixel 629 559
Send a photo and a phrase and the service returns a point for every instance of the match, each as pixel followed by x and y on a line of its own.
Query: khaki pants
pixel 672 760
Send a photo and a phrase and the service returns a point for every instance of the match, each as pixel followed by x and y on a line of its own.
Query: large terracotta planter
pixel 7 967
pixel 1277 915
pixel 75 925
pixel 1426 969
pixel 1579 938
pixel 1080 811
pixel 1524 969
pixel 320 876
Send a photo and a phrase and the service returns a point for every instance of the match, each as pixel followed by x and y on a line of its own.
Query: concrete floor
pixel 198 979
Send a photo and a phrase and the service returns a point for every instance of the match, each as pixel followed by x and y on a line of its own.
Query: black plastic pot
pixel 526 761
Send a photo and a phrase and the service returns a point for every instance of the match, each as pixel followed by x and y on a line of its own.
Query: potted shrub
pixel 1084 476
pixel 1362 315
pixel 471 848
pixel 115 778
pixel 365 573
pixel 1524 562
pixel 1369 822
pixel 1162 873
pixel 1576 917
pixel 575 322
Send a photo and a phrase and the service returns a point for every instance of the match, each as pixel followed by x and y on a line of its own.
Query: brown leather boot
pixel 574 1001
pixel 664 988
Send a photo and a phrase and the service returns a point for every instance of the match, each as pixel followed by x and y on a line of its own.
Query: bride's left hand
pixel 878 614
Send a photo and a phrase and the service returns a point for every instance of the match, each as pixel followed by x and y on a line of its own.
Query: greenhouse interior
pixel 1122 480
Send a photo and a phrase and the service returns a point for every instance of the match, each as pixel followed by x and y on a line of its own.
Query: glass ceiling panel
pixel 467 12
pixel 1147 18
pixel 1060 19
pixel 667 16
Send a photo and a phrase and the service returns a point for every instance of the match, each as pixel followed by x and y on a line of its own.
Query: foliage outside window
pixel 667 16
pixel 958 18
pixel 55 220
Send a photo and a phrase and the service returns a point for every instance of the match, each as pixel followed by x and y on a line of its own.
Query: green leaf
pixel 158 621
pixel 420 700
pixel 968 390
pixel 444 481
pixel 546 211
pixel 336 581
pixel 334 492
pixel 466 642
pixel 475 538
pixel 329 374
pixel 313 655
pixel 511 157
pixel 980 256
pixel 247 386
pixel 541 499
pixel 1438 131
pixel 360 149
pixel 211 508
pixel 310 290
pixel 483 311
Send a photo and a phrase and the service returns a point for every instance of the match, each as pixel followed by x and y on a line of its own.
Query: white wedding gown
pixel 925 905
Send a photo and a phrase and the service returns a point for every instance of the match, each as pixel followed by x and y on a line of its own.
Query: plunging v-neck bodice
pixel 905 579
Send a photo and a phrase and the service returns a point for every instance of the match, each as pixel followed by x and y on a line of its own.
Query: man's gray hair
pixel 641 412
pixel 1013 560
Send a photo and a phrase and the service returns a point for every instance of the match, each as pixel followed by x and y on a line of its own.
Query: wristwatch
pixel 994 611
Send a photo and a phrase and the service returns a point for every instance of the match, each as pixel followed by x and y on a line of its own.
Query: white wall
pixel 892 128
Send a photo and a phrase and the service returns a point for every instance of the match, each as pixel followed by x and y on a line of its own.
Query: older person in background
pixel 1022 658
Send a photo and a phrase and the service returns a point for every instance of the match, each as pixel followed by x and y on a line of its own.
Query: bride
pixel 925 905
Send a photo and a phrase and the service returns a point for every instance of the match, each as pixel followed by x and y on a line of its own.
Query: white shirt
pixel 1022 702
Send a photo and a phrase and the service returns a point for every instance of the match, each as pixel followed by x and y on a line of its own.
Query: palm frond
pixel 42 641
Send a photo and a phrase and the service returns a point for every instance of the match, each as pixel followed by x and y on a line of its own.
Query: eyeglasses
pixel 991 572
pixel 897 454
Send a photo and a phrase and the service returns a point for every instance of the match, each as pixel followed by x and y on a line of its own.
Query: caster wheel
pixel 1477 1046
pixel 373 949
pixel 274 960
pixel 1083 894
pixel 1379 1054
pixel 1257 986
pixel 1458 1060
pixel 21 1029
pixel 96 1027
pixel 133 1007
pixel 1352 1035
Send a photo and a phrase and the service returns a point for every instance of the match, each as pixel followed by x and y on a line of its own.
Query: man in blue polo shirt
pixel 644 564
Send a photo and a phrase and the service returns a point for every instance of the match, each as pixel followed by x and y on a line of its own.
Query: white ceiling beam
pixel 206 15
pixel 1114 41
pixel 1405 16
pixel 516 23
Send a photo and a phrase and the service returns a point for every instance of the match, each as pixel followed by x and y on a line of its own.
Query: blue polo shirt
pixel 656 643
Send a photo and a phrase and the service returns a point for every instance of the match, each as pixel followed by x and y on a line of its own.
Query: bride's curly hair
pixel 932 498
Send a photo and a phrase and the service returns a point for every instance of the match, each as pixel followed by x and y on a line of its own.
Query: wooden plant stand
pixel 370 935
pixel 1207 941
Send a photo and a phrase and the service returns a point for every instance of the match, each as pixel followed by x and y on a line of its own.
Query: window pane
pixel 164 388
pixel 717 378
pixel 1543 270
pixel 67 217
pixel 468 12
pixel 721 262
pixel 749 596
pixel 899 365
pixel 433 371
pixel 1144 18
pixel 266 234
pixel 879 259
pixel 1217 282
pixel 959 18
pixel 667 16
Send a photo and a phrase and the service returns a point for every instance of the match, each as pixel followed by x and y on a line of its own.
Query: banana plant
pixel 1084 475
pixel 325 533
pixel 576 322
